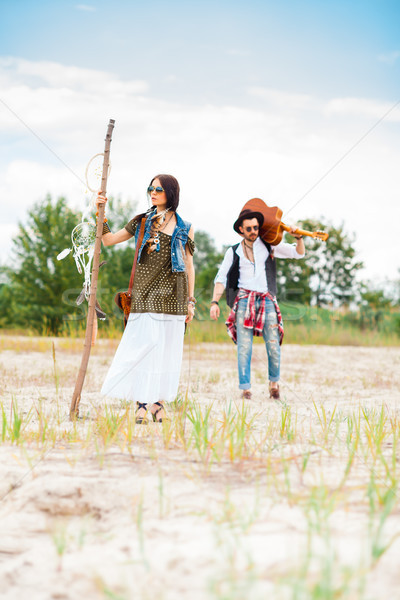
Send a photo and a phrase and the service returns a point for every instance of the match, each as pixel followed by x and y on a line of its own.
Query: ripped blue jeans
pixel 245 343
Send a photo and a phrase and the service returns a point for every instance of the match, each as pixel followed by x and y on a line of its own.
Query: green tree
pixel 294 279
pixel 374 307
pixel 327 275
pixel 396 290
pixel 39 281
pixel 375 298
pixel 7 305
pixel 206 261
pixel 44 289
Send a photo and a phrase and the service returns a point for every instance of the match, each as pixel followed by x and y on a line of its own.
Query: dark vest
pixel 232 278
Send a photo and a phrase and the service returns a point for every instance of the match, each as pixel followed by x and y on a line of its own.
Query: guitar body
pixel 271 231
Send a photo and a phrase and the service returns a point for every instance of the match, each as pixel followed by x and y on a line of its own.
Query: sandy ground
pixel 154 520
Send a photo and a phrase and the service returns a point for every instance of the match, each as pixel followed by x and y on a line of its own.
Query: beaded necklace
pixel 159 224
pixel 246 253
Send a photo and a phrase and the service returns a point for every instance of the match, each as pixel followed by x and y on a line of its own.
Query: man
pixel 248 272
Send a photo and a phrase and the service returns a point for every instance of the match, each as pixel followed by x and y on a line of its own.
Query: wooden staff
pixel 76 397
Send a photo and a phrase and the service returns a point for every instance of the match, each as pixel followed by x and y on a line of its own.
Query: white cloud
pixel 61 77
pixel 7 233
pixel 362 107
pixel 390 57
pixel 222 155
pixel 237 52
pixel 86 7
pixel 283 100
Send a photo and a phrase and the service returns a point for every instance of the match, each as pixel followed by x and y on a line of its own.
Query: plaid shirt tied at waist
pixel 253 319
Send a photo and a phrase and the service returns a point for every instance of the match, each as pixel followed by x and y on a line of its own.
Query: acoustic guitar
pixel 273 228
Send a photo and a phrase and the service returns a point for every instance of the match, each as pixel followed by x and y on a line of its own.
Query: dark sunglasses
pixel 248 229
pixel 157 189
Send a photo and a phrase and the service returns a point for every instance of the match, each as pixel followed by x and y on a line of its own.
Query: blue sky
pixel 235 98
pixel 215 49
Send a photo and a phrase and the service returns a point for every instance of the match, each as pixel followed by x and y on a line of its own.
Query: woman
pixel 147 364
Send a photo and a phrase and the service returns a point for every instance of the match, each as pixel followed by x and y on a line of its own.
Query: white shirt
pixel 252 276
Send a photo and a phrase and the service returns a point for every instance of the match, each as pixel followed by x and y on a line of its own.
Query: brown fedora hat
pixel 249 211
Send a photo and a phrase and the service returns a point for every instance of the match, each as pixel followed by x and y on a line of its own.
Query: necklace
pixel 166 222
pixel 159 218
pixel 245 246
pixel 158 225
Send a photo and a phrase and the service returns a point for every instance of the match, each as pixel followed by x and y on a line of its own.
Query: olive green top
pixel 156 289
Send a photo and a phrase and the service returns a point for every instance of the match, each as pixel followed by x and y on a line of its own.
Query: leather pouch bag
pixel 124 299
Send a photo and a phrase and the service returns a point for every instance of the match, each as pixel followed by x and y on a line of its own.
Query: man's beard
pixel 250 237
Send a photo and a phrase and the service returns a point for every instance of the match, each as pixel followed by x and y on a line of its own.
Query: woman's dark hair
pixel 171 187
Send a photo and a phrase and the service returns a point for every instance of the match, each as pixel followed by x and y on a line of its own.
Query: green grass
pixel 303 325
pixel 313 333
pixel 311 325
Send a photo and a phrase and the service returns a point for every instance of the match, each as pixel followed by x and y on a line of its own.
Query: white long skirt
pixel 147 364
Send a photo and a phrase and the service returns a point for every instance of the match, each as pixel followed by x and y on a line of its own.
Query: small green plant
pixel 381 503
pixel 43 425
pixel 140 530
pixel 286 429
pixel 161 497
pixel 375 429
pixel 109 425
pixel 60 539
pixel 214 377
pixel 56 375
pixel 201 431
pixel 236 430
pixel 107 592
pixel 3 423
pixel 16 423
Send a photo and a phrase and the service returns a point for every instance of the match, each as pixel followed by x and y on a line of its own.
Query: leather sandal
pixel 274 393
pixel 141 420
pixel 155 413
pixel 246 395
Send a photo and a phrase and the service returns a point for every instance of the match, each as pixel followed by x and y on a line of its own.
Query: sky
pixel 295 102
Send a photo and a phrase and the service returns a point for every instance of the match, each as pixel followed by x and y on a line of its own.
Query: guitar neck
pixel 298 231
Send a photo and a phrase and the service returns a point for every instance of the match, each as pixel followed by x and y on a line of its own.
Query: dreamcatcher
pixel 83 238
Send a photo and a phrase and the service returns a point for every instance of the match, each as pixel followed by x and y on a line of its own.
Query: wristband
pixel 214 302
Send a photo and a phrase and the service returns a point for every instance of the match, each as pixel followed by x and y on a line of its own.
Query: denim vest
pixel 178 241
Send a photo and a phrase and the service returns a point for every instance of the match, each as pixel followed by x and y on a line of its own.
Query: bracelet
pixel 192 300
pixel 106 228
pixel 298 238
pixel 215 302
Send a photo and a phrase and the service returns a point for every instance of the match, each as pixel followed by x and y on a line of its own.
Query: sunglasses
pixel 248 229
pixel 157 189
